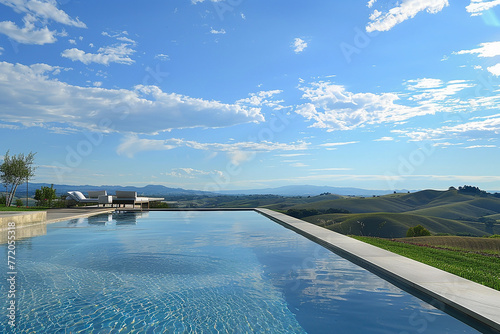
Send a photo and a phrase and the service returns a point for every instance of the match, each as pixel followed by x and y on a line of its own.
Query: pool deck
pixel 30 218
pixel 452 293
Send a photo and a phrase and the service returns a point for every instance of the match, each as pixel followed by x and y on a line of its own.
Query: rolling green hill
pixel 441 212
pixel 390 225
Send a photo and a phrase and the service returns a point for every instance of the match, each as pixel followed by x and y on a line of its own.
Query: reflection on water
pixel 207 272
pixel 25 232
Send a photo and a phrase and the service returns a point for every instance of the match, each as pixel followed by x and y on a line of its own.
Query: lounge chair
pixel 130 197
pixel 95 197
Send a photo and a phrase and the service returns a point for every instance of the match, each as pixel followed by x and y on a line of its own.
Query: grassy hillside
pixel 388 203
pixel 390 216
pixel 467 210
pixel 475 267
pixel 390 225
pixel 478 245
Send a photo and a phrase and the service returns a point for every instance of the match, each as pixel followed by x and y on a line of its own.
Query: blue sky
pixel 240 94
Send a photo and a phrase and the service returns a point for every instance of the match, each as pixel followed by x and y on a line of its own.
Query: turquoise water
pixel 202 272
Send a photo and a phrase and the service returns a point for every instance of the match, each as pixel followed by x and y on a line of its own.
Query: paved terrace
pixel 474 303
pixel 28 218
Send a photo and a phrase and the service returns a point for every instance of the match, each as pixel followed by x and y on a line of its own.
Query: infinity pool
pixel 202 272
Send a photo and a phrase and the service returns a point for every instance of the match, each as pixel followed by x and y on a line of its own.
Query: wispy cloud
pixel 404 10
pixel 191 173
pixel 217 32
pixel 490 49
pixel 162 57
pixel 339 144
pixel 238 152
pixel 477 7
pixel 486 50
pixel 480 146
pixel 384 139
pixel 484 129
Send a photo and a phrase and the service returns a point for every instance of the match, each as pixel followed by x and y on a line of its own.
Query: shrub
pixel 45 195
pixel 19 202
pixel 418 231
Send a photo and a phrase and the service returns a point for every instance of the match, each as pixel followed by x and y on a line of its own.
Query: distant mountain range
pixel 159 190
pixel 149 190
pixel 305 190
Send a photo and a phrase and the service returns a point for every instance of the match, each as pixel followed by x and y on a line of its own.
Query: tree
pixel 417 231
pixel 45 195
pixel 15 170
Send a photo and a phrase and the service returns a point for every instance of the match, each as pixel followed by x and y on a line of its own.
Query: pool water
pixel 202 272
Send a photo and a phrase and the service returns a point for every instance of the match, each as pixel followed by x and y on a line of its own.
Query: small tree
pixel 417 231
pixel 45 195
pixel 15 170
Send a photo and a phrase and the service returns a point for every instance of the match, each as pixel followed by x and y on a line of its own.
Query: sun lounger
pixel 95 197
pixel 130 197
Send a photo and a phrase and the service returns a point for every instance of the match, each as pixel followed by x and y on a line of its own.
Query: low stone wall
pixel 22 219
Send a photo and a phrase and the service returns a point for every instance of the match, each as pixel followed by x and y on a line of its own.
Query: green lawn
pixel 13 208
pixel 479 268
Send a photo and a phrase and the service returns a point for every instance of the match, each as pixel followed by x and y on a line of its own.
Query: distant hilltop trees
pixel 471 190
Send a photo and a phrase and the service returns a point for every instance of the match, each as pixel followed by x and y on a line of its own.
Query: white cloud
pixel 438 95
pixel 1 50
pixel 35 98
pixel 162 57
pixel 29 34
pixel 495 69
pixel 126 40
pixel 339 144
pixel 477 7
pixel 484 129
pixel 299 45
pixel 329 169
pixel 238 152
pixel 105 55
pixel 384 139
pixel 490 49
pixel 191 173
pixel 404 10
pixel 262 98
pixel 371 3
pixel 425 83
pixel 480 146
pixel 486 50
pixel 36 12
pixel 298 164
pixel 290 155
pixel 213 31
pixel 332 107
pixel 44 10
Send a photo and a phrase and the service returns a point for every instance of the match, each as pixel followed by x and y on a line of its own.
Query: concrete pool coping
pixel 30 218
pixel 471 299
